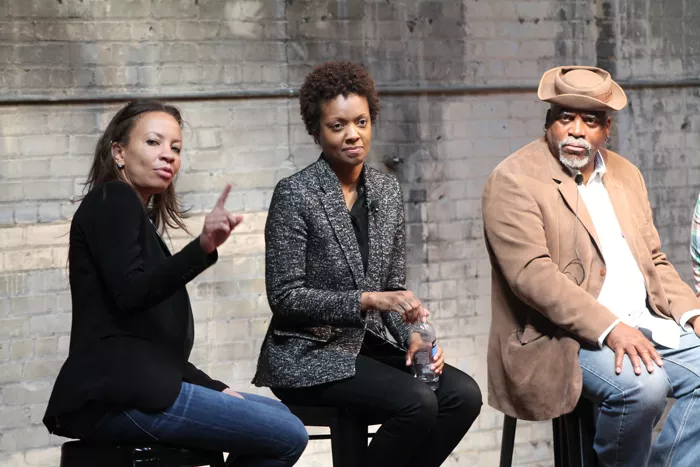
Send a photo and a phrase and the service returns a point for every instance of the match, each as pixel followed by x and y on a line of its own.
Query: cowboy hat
pixel 581 87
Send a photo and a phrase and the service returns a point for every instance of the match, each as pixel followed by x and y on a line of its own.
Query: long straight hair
pixel 164 208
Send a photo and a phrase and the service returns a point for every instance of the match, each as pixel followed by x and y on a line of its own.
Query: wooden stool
pixel 86 454
pixel 573 435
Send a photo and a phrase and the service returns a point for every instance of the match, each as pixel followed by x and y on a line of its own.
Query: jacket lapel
pixel 162 243
pixel 375 215
pixel 618 198
pixel 334 205
pixel 569 191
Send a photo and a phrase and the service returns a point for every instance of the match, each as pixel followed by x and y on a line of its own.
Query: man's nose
pixel 576 129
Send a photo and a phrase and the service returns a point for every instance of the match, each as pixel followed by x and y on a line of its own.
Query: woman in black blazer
pixel 335 276
pixel 127 378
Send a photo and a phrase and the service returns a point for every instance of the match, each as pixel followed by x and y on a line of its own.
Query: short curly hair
pixel 329 80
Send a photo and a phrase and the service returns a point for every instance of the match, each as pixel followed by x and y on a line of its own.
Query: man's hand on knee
pixel 624 339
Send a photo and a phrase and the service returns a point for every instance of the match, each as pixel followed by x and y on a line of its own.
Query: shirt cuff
pixel 602 337
pixel 686 317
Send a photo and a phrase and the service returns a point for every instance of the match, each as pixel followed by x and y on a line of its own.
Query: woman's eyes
pixel 152 142
pixel 339 126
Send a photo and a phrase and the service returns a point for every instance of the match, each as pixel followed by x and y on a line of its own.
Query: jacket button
pixel 602 272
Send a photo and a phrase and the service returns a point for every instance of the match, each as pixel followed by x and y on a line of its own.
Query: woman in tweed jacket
pixel 335 272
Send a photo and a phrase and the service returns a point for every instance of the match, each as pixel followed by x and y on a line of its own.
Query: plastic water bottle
pixel 423 357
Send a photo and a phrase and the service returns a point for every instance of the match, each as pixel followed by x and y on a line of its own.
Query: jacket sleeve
pixel 116 226
pixel 515 235
pixel 396 271
pixel 194 375
pixel 680 296
pixel 286 241
pixel 695 246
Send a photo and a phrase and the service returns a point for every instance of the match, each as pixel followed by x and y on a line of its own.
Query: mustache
pixel 578 142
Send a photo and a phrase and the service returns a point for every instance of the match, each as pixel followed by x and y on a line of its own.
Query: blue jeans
pixel 257 431
pixel 630 406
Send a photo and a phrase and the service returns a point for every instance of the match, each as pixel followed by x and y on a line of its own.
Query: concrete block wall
pixel 441 146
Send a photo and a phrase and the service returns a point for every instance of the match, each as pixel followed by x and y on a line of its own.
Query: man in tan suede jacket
pixel 584 301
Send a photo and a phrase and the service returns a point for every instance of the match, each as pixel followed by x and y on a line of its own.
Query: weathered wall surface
pixel 445 145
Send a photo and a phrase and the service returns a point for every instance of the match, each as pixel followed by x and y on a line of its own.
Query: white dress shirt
pixel 624 290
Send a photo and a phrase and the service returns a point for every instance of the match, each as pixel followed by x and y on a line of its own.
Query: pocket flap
pixel 315 333
pixel 528 334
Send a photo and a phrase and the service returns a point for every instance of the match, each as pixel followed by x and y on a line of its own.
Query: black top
pixel 132 328
pixel 358 216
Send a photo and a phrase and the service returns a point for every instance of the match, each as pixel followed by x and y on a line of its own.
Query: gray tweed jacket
pixel 315 277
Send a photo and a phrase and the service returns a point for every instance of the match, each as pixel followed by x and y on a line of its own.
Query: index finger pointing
pixel 222 199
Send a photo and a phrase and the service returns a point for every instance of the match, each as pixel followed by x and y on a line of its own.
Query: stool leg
pixel 508 441
pixel 348 442
pixel 560 448
pixel 574 434
pixel 587 418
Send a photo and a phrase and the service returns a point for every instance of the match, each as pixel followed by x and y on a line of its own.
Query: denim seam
pixel 681 428
pixel 267 436
pixel 603 378
pixel 624 409
pixel 693 395
pixel 139 426
pixel 684 365
pixel 189 420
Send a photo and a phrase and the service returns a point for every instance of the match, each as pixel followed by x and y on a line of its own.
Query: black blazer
pixel 132 328
pixel 315 277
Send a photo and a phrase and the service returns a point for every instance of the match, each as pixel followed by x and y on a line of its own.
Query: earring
pixel 120 166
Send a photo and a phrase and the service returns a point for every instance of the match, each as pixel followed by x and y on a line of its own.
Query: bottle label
pixel 434 351
pixel 422 357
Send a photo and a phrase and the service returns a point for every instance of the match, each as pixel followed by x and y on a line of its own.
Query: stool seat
pixel 348 430
pixel 326 416
pixel 573 435
pixel 85 454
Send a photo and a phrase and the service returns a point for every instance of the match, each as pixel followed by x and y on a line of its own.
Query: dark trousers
pixel 422 426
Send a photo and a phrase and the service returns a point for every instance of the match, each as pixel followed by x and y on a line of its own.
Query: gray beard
pixel 573 162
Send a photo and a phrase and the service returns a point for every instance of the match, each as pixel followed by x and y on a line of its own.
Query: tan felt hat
pixel 581 87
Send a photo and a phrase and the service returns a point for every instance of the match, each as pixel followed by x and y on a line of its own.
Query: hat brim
pixel 547 93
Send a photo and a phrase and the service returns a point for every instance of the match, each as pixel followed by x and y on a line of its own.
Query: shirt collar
pixel 599 168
